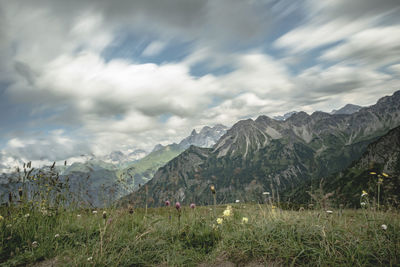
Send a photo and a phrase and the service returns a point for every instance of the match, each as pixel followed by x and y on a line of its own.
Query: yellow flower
pixel 227 213
pixel 373 173
pixel 380 180
pixel 385 174
pixel 220 220
pixel 245 220
pixel 364 193
pixel 1 218
pixel 273 207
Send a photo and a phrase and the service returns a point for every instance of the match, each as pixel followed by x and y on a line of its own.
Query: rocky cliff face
pixel 268 155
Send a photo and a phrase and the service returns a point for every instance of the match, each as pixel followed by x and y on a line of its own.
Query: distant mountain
pixel 118 157
pixel 101 180
pixel 207 136
pixel 269 155
pixel 145 168
pixel 284 117
pixel 347 109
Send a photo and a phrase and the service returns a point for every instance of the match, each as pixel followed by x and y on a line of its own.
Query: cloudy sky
pixel 82 76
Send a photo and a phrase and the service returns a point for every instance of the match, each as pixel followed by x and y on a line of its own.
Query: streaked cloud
pixel 172 66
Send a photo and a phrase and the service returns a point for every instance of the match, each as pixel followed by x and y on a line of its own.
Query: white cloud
pixel 57 66
pixel 376 46
pixel 153 49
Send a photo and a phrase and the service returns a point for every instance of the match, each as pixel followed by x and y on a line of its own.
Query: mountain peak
pixel 347 109
pixel 207 136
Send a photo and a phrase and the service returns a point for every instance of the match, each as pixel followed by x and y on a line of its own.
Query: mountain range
pixel 116 174
pixel 256 156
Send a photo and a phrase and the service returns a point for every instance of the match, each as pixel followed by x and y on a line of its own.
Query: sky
pixel 82 76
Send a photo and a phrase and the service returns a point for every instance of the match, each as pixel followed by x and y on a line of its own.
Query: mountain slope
pixel 276 156
pixel 381 156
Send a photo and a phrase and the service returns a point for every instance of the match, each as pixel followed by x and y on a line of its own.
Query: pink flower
pixel 178 205
pixel 167 203
pixel 192 206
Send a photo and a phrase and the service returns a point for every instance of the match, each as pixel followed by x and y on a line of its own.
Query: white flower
pixel 220 220
pixel 237 201
pixel 26 215
pixel 94 212
pixel 329 211
pixel 265 193
pixel 78 215
pixel 34 244
pixel 56 235
pixel 90 259
pixel 384 227
pixel 363 204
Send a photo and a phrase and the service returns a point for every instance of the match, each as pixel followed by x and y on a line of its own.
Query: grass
pixel 287 238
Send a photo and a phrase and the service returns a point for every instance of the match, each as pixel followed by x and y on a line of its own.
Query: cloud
pixel 376 46
pixel 333 21
pixel 54 74
pixel 153 49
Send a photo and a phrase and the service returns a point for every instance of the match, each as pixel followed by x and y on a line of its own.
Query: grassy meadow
pixel 224 235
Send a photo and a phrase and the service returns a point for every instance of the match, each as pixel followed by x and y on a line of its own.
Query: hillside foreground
pixel 225 235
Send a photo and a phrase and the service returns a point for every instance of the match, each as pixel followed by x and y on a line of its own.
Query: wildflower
pixel 329 211
pixel 385 174
pixel 380 180
pixel 104 215
pixel 78 216
pixel 227 213
pixel 363 204
pixel 192 206
pixel 373 173
pixel 384 227
pixel 245 220
pixel 26 215
pixel 35 244
pixel 1 218
pixel 237 201
pixel 90 259
pixel 220 220
pixel 94 212
pixel 273 207
pixel 178 205
pixel 364 193
pixel 212 188
pixel 167 203
pixel 56 236
pixel 265 193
